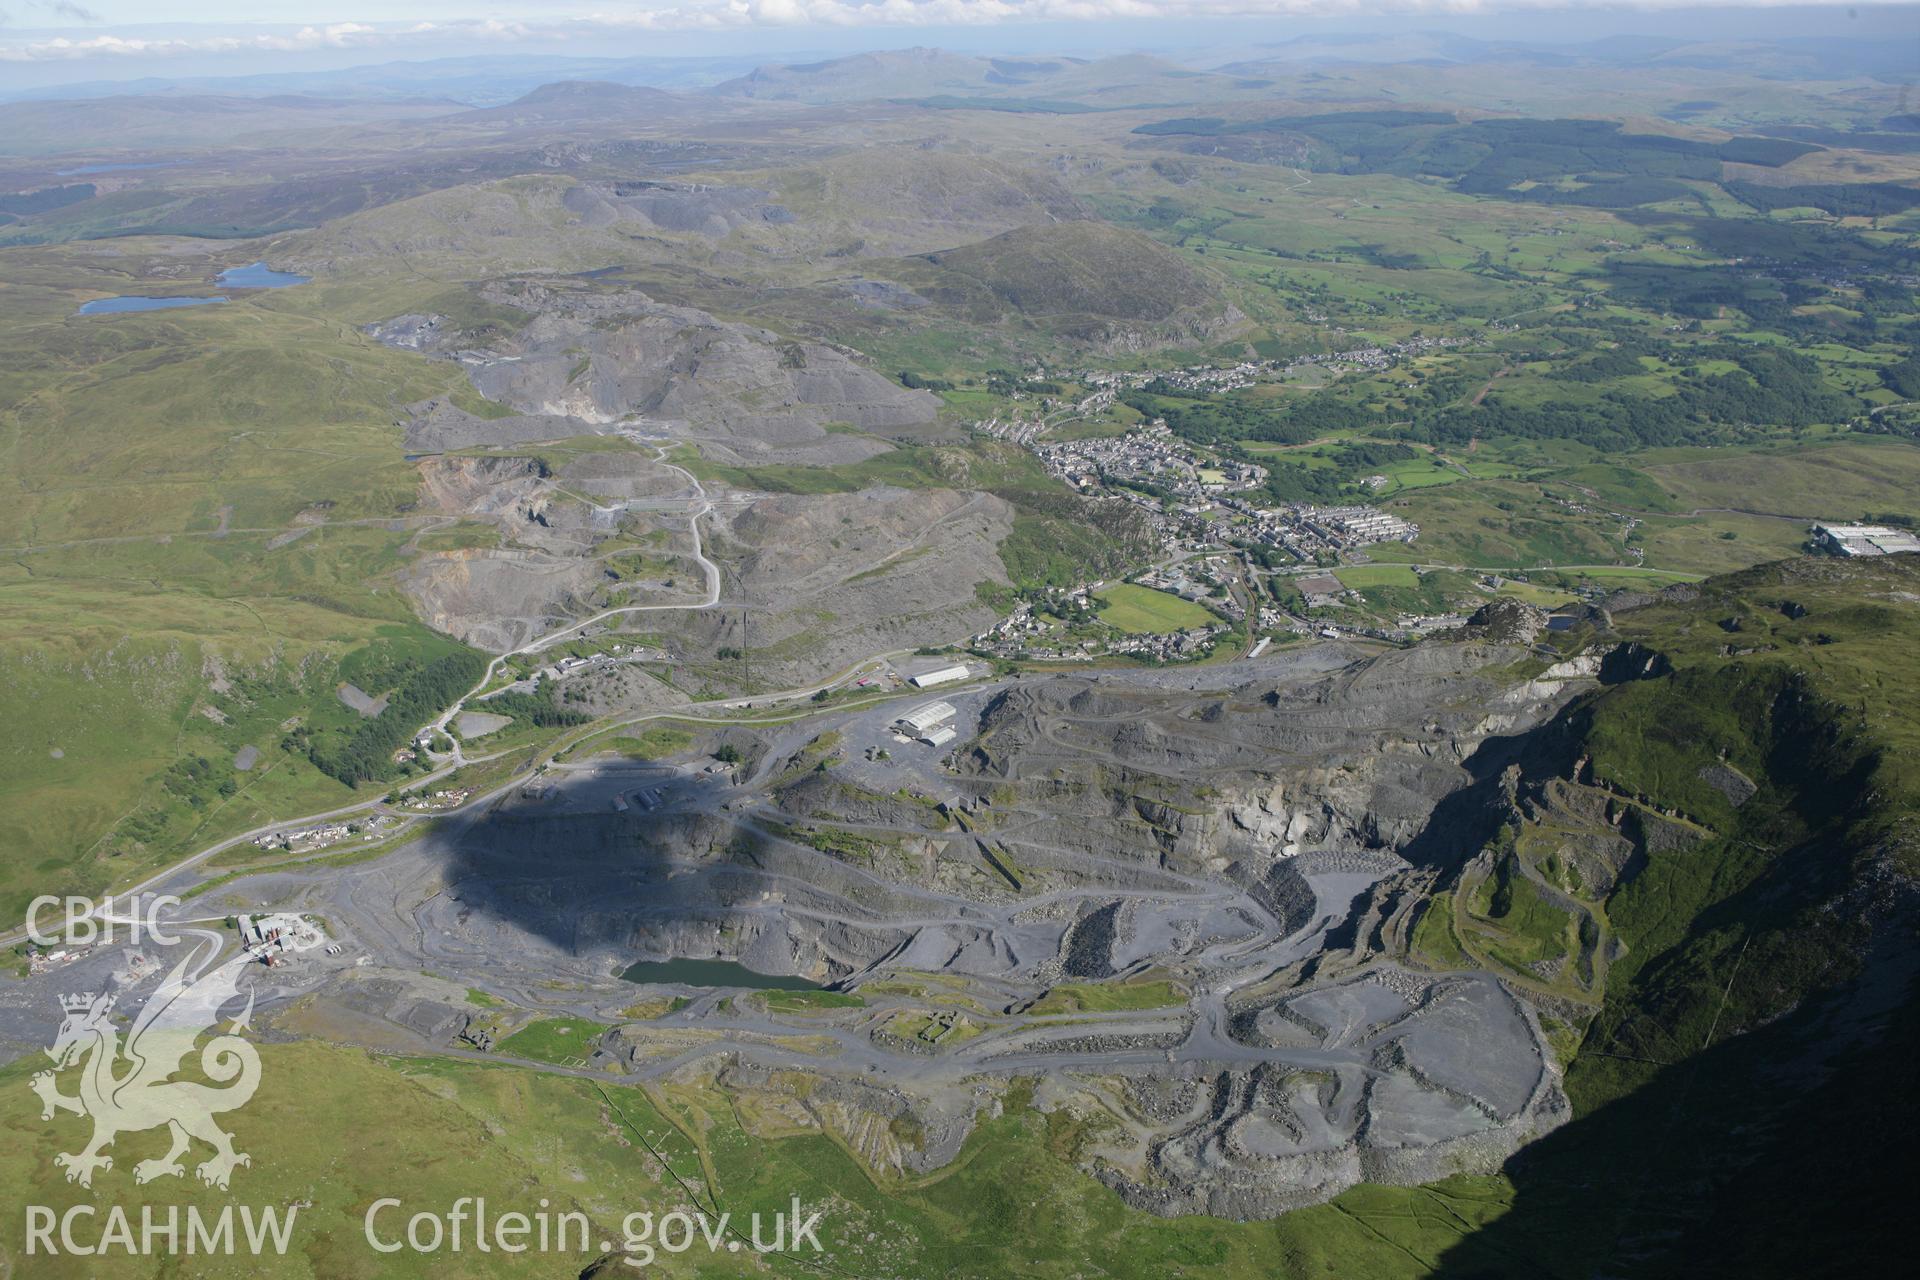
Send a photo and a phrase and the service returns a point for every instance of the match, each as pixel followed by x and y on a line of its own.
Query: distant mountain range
pixel 488 81
pixel 476 81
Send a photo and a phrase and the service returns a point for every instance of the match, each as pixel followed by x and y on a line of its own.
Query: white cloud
pixel 335 35
pixel 880 13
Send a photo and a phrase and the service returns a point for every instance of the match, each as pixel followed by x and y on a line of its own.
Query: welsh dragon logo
pixel 126 1087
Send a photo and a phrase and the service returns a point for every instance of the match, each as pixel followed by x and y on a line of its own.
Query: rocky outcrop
pixel 1508 621
pixel 1449 1077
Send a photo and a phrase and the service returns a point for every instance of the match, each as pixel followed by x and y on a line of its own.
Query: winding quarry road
pixel 712 598
pixel 451 761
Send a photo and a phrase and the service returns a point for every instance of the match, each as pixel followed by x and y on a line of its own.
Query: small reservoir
pixel 255 275
pixel 114 306
pixel 258 275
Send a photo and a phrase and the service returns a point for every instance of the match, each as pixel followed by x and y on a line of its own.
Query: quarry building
pixel 1864 539
pixel 923 719
pixel 931 724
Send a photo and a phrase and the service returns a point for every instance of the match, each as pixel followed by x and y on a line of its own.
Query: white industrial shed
pixel 1865 539
pixel 921 719
pixel 944 675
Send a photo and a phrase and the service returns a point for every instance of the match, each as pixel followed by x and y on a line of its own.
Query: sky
pixel 45 42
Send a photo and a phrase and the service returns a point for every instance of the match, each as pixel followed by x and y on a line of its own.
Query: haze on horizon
pixel 45 43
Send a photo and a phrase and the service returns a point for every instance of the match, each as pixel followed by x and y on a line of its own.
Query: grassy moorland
pixel 202 512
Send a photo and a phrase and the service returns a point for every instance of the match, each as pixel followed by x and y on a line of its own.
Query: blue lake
pixel 255 275
pixel 113 306
pixel 258 276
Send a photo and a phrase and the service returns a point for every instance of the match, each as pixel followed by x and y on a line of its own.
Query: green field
pixel 561 1041
pixel 1545 597
pixel 1838 481
pixel 1376 575
pixel 1499 524
pixel 809 1001
pixel 656 742
pixel 1144 611
pixel 1108 997
pixel 1623 576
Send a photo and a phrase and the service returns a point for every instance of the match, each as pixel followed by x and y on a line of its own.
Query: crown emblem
pixel 126 1084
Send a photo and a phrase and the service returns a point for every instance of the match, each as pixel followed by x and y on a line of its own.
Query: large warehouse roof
pixel 921 719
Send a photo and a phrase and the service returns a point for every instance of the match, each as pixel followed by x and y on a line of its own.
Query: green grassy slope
pixel 1072 268
pixel 1736 1088
pixel 201 510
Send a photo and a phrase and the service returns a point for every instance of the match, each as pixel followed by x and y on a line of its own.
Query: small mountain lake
pixel 257 275
pixel 114 306
pixel 712 973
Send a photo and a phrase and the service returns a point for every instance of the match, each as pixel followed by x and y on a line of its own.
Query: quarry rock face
pixel 539 563
pixel 1508 621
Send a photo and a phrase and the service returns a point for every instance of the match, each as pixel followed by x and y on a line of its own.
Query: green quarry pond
pixel 712 973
